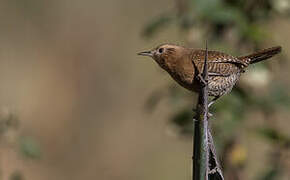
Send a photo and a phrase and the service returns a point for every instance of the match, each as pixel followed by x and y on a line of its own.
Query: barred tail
pixel 261 55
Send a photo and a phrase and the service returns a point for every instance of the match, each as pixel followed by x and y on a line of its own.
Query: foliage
pixel 244 22
pixel 9 135
pixel 29 147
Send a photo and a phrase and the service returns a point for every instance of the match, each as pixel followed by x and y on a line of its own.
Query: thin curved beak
pixel 146 53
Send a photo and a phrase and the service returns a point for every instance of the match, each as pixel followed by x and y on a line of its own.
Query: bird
pixel 185 66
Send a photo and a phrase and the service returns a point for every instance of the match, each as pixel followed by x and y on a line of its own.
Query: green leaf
pixel 255 33
pixel 279 96
pixel 273 135
pixel 29 147
pixel 16 175
pixel 183 119
pixel 271 173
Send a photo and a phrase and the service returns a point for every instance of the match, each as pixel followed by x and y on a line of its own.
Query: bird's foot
pixel 210 114
pixel 210 103
pixel 201 80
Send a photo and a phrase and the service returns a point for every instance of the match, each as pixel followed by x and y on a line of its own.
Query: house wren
pixel 185 65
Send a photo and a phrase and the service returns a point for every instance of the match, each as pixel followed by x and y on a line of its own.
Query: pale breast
pixel 219 85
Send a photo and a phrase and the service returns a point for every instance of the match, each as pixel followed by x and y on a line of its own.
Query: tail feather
pixel 261 55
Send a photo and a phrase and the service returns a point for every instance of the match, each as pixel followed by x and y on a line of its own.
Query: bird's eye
pixel 160 50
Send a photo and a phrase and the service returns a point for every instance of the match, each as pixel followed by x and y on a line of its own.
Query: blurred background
pixel 76 102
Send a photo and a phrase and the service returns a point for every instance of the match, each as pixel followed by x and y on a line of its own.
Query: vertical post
pixel 201 150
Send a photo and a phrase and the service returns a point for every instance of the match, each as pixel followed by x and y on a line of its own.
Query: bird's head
pixel 165 54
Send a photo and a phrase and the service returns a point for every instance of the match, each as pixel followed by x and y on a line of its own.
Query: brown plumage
pixel 185 64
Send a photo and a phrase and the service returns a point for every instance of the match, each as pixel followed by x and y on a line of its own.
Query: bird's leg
pixel 213 101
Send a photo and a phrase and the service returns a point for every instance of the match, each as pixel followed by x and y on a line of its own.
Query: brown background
pixel 70 72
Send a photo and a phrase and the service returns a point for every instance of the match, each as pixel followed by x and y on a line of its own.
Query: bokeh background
pixel 78 103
